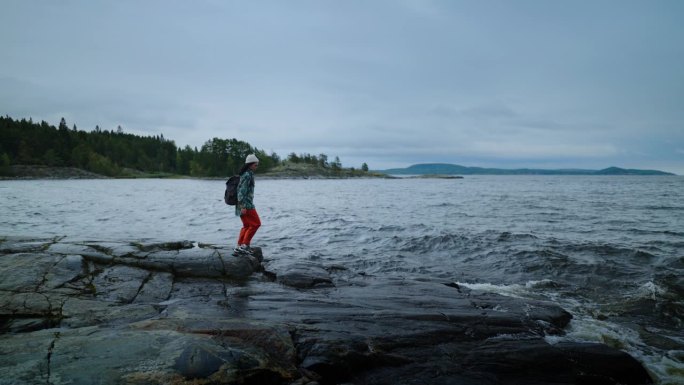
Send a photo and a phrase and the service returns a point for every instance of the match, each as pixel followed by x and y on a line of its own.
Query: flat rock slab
pixel 186 313
pixel 304 276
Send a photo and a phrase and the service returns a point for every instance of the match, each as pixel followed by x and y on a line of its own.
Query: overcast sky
pixel 524 83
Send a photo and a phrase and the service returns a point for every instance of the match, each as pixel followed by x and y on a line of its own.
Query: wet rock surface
pixel 187 313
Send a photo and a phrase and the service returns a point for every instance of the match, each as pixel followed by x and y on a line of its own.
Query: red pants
pixel 250 225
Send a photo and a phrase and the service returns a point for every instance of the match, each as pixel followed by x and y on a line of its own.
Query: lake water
pixel 609 249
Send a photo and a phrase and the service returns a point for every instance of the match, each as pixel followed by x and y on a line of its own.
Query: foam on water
pixel 666 367
pixel 525 290
pixel 650 290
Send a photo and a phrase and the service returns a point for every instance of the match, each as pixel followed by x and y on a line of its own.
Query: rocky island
pixel 84 312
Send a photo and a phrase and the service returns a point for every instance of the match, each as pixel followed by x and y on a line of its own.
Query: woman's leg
pixel 250 223
pixel 243 231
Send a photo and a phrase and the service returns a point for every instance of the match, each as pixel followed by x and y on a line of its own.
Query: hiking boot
pixel 242 249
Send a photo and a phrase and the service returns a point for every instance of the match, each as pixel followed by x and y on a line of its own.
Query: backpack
pixel 230 196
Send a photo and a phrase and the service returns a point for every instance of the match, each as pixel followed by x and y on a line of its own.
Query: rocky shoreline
pixel 48 172
pixel 27 172
pixel 83 312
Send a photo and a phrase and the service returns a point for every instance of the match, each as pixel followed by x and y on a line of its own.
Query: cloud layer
pixel 508 84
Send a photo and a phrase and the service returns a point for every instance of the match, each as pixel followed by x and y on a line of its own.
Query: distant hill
pixel 454 169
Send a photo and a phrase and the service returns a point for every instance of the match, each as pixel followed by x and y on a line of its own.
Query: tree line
pixel 116 153
pixel 320 161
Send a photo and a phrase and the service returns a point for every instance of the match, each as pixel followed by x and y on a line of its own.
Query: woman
pixel 245 205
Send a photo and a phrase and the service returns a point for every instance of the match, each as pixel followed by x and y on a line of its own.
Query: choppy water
pixel 608 249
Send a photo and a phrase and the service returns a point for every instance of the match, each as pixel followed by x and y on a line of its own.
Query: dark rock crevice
pixel 49 356
pixel 142 284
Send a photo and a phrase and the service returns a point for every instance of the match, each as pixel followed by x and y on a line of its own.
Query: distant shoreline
pixel 454 169
pixel 37 172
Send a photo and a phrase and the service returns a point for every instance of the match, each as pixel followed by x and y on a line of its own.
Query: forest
pixel 116 153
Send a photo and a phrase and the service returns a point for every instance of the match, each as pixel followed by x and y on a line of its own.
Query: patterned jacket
pixel 245 192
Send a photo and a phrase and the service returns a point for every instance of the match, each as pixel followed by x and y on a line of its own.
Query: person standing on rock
pixel 245 205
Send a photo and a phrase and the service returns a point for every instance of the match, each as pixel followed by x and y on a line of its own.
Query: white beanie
pixel 251 158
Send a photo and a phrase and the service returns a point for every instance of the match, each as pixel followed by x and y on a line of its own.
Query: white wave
pixel 513 290
pixel 650 290
pixel 589 329
pixel 665 367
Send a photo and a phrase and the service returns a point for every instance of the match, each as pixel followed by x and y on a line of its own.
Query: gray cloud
pixel 390 83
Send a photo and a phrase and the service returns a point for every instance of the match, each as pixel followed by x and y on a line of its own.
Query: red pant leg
pixel 250 225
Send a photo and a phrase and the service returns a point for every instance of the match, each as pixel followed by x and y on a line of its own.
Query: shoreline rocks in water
pixel 188 313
